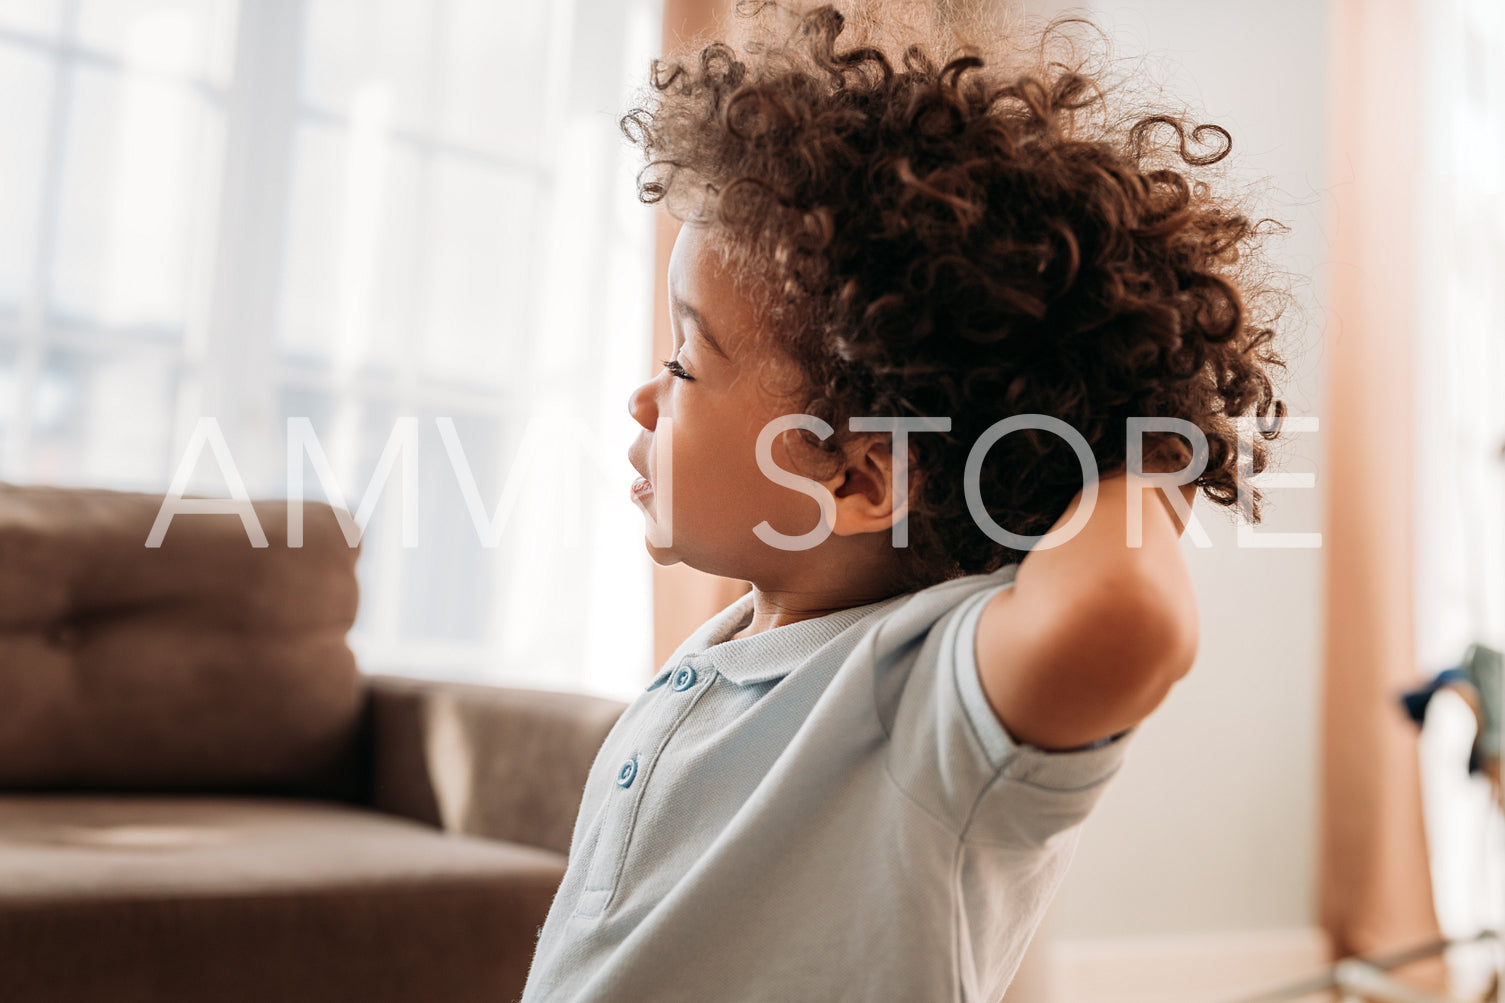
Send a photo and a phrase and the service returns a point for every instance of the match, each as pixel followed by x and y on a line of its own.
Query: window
pixel 373 214
pixel 1460 455
pixel 1460 363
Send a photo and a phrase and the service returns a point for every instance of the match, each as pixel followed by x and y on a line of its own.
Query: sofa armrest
pixel 506 764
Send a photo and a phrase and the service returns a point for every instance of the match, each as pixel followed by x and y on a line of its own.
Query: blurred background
pixel 357 211
pixel 350 211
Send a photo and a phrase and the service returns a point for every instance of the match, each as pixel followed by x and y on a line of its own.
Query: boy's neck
pixel 776 609
pixel 826 586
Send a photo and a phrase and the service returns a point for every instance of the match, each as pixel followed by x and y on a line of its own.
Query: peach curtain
pixel 683 598
pixel 1375 889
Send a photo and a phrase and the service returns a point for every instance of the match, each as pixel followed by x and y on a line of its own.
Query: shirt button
pixel 684 679
pixel 627 772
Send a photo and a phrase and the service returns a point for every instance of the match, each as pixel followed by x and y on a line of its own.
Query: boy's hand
pixel 1093 633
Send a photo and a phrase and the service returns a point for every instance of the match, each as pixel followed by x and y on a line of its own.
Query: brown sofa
pixel 202 798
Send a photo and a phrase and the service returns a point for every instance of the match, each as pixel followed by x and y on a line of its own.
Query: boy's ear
pixel 864 488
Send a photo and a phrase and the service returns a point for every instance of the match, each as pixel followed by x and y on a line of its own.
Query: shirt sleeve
pixel 951 753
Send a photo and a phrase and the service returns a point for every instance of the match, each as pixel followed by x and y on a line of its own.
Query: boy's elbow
pixel 1155 628
pixel 1170 636
pixel 1155 648
pixel 1176 636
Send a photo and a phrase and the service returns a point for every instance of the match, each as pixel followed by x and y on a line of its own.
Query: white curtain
pixel 388 217
pixel 1460 491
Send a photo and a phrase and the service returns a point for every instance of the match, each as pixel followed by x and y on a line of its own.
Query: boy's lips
pixel 642 486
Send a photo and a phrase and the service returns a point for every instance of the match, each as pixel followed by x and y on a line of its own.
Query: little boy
pixel 923 305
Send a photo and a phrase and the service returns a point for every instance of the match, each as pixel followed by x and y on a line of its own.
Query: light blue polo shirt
pixel 828 810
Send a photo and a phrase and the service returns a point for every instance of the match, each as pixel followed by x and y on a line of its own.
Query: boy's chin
pixel 664 557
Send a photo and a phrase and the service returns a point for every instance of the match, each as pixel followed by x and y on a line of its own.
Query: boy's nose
pixel 642 407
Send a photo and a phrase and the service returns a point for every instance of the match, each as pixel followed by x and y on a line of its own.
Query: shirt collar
pixel 775 653
pixel 766 656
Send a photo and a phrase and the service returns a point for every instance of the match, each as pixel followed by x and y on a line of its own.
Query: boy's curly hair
pixel 932 233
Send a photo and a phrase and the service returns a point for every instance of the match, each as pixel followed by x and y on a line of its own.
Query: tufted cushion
pixel 204 663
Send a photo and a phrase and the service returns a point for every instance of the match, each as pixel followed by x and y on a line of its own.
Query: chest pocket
pixel 673 694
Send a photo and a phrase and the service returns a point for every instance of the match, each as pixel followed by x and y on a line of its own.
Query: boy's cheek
pixel 787 512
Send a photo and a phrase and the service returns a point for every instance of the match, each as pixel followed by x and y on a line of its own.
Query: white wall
pixel 1212 824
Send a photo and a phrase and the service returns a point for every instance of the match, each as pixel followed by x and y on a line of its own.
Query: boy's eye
pixel 676 369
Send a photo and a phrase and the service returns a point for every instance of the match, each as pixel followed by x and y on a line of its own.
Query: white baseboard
pixel 1185 968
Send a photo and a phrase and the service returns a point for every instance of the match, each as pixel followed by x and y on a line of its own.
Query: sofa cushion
pixel 167 898
pixel 203 663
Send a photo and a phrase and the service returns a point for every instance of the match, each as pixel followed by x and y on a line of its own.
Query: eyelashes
pixel 676 369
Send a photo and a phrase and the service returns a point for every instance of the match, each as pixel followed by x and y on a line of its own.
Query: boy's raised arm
pixel 1093 633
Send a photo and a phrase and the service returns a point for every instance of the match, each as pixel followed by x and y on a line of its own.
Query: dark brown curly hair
pixel 935 233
